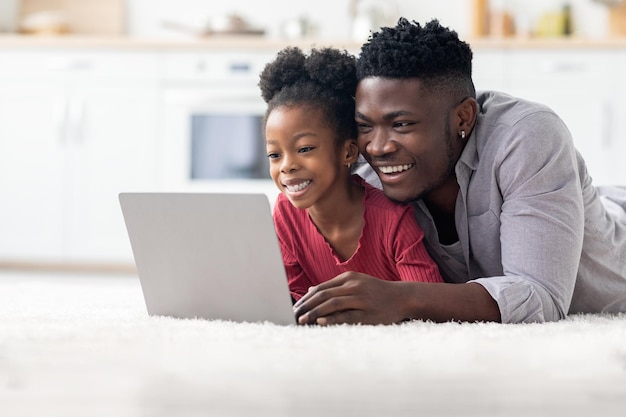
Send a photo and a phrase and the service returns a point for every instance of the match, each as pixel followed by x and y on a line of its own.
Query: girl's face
pixel 306 162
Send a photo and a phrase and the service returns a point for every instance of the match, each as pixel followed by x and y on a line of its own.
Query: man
pixel 507 206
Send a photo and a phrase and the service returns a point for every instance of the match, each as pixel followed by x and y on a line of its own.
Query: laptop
pixel 213 256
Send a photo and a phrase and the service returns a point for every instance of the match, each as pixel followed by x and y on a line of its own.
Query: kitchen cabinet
pixel 618 119
pixel 33 171
pixel 76 129
pixel 489 69
pixel 78 126
pixel 577 84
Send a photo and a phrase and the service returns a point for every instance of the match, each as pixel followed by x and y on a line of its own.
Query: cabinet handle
pixel 607 131
pixel 61 109
pixel 61 64
pixel 552 67
pixel 239 67
pixel 75 119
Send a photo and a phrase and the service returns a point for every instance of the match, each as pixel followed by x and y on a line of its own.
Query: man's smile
pixel 392 169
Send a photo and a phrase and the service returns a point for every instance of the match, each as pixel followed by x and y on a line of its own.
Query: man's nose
pixel 379 144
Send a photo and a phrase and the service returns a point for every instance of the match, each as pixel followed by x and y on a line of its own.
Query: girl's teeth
pixel 298 187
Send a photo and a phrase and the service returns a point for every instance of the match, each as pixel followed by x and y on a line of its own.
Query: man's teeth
pixel 298 187
pixel 397 168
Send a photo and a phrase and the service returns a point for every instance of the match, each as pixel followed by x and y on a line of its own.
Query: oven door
pixel 212 140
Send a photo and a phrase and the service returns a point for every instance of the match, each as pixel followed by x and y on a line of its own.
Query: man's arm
pixel 358 298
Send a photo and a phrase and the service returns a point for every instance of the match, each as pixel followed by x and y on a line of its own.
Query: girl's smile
pixel 296 186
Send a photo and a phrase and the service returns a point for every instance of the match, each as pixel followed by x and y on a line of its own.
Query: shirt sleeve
pixel 541 222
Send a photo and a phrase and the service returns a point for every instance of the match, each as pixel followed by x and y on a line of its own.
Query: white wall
pixel 333 18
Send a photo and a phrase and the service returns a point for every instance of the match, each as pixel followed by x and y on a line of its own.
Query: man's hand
pixel 353 298
pixel 358 298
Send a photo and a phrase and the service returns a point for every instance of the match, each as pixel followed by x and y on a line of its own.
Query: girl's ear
pixel 350 152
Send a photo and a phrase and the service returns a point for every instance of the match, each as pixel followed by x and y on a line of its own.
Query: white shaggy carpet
pixel 83 345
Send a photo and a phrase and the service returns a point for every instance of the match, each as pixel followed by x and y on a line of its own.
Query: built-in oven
pixel 211 136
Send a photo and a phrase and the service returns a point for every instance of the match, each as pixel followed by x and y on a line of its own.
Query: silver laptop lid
pixel 208 255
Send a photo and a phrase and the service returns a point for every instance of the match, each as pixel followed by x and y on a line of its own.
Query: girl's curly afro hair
pixel 432 53
pixel 325 80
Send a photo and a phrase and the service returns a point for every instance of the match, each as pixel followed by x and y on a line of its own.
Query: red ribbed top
pixel 390 246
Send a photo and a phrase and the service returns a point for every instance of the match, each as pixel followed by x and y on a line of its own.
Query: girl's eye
pixel 272 155
pixel 305 149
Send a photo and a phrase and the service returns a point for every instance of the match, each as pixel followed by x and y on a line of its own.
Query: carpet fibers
pixel 83 345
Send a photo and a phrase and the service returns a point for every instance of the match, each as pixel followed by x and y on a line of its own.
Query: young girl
pixel 327 220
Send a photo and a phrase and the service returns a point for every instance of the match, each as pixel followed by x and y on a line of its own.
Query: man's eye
pixel 305 149
pixel 363 128
pixel 402 124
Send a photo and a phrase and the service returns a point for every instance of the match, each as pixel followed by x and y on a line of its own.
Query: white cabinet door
pixel 115 150
pixel 576 84
pixel 489 69
pixel 618 119
pixel 76 129
pixel 34 171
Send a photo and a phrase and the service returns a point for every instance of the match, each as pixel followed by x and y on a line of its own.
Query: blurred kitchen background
pixel 323 19
pixel 98 97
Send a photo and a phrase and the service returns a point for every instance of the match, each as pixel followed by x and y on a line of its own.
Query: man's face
pixel 406 135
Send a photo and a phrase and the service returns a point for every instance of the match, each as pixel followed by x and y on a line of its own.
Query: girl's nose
pixel 288 164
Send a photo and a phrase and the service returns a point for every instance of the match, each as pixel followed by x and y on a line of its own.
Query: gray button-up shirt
pixel 534 230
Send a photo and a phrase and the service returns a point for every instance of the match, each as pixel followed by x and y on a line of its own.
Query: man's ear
pixel 350 152
pixel 467 111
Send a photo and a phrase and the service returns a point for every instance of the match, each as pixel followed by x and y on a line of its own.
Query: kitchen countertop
pixel 215 42
pixel 8 41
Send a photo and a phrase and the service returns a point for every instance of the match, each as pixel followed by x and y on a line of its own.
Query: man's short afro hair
pixel 409 50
